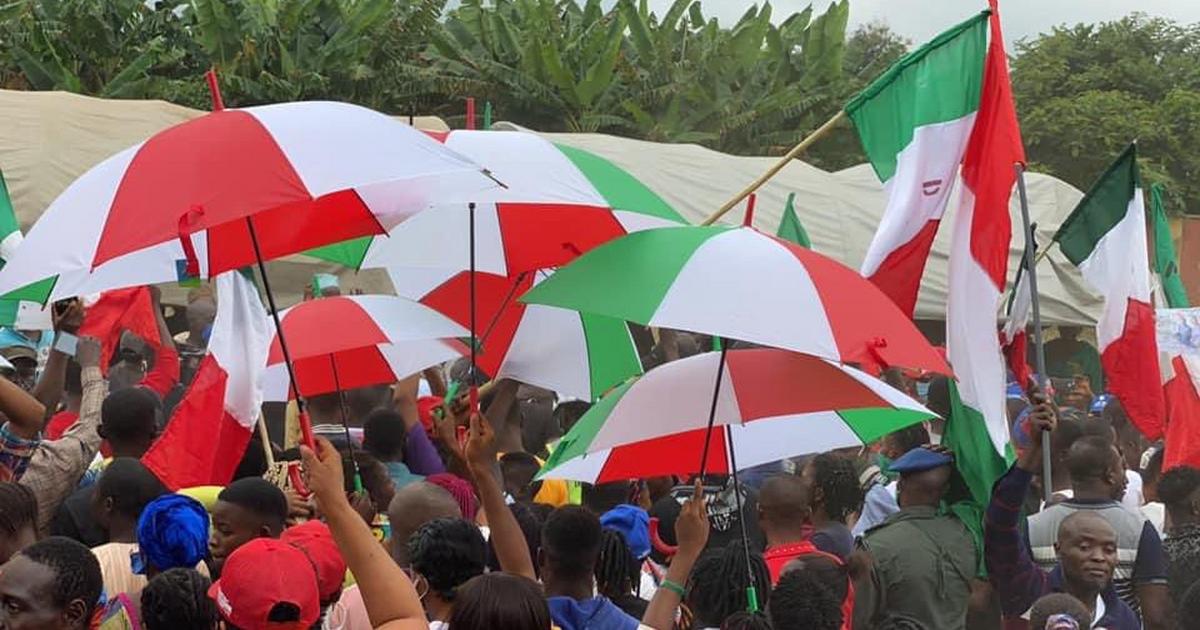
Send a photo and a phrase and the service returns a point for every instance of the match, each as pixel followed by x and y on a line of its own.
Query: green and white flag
pixel 914 122
pixel 1166 264
pixel 22 308
pixel 790 227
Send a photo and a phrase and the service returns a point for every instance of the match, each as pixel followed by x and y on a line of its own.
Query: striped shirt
pixel 1140 558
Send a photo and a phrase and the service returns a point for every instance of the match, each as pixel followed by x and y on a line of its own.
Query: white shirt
pixel 1099 614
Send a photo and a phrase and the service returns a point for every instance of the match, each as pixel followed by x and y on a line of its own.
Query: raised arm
pixel 691 530
pixel 507 538
pixel 49 388
pixel 388 594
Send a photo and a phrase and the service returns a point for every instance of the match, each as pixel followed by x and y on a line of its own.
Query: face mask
pixel 923 389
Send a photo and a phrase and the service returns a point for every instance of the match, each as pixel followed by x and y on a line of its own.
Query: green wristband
pixel 673 587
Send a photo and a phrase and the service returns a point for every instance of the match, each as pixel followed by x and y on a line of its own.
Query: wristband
pixel 673 587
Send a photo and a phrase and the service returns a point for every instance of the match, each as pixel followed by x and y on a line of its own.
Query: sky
pixel 919 20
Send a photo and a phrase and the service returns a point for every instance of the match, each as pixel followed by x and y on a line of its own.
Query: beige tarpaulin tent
pixel 840 211
pixel 50 138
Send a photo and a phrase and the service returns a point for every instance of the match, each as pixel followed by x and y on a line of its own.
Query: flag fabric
pixel 1166 264
pixel 790 227
pixel 1013 338
pixel 914 122
pixel 1105 237
pixel 979 262
pixel 22 309
pixel 117 311
pixel 1178 336
pixel 212 424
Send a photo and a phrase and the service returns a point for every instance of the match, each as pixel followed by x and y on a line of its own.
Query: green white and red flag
pixel 978 272
pixel 1105 236
pixel 914 122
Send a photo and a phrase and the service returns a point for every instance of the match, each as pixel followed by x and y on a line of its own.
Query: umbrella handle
pixel 306 431
pixel 186 220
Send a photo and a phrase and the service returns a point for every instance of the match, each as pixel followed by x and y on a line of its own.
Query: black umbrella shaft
pixel 712 411
pixel 287 356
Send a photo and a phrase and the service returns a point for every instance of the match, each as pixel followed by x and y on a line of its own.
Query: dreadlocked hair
pixel 836 477
pixel 18 507
pixel 747 621
pixel 717 587
pixel 177 599
pixel 618 572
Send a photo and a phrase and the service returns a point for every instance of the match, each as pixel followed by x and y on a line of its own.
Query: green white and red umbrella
pixel 346 342
pixel 575 354
pixel 772 405
pixel 739 283
pixel 195 195
pixel 557 202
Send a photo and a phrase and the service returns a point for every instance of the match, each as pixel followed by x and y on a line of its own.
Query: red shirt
pixel 778 556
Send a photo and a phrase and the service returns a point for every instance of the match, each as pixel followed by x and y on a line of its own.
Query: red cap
pixel 316 541
pixel 260 575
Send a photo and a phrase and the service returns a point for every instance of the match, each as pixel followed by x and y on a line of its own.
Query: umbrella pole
pixel 337 384
pixel 305 423
pixel 1039 347
pixel 471 304
pixel 712 410
pixel 751 590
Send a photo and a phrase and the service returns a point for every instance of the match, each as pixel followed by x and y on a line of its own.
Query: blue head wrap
pixel 172 533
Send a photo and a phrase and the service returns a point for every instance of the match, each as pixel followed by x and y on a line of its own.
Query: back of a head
pixel 500 601
pixel 571 543
pixel 77 573
pixel 172 532
pixel 414 505
pixel 129 485
pixel 600 498
pixel 1058 604
pixel 801 600
pixel 447 552
pixel 259 497
pixel 130 415
pixel 1089 458
pixel 717 586
pixel 530 519
pixel 937 399
pixel 178 600
pixel 518 469
pixel 1177 487
pixel 907 439
pixel 784 501
pixel 1068 429
pixel 828 571
pixel 384 435
pixel 747 621
pixel 837 478
pixel 617 570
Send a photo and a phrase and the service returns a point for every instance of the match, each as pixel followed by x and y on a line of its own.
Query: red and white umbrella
pixel 557 202
pixel 346 342
pixel 294 175
pixel 772 404
pixel 572 353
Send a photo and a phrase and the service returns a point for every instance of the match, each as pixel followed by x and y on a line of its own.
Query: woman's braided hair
pixel 717 588
pixel 177 599
pixel 837 478
pixel 618 572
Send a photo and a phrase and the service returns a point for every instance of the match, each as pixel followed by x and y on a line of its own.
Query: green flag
pixel 790 228
pixel 24 303
pixel 1166 264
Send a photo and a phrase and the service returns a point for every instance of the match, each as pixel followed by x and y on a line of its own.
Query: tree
pixel 1084 92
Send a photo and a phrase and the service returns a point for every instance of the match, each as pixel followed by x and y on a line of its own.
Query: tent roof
pixel 841 211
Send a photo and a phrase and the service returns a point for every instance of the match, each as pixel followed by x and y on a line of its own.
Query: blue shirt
pixel 597 613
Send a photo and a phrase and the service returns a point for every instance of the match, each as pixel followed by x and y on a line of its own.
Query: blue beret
pixel 920 459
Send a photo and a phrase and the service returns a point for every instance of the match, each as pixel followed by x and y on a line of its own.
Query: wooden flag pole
pixel 774 170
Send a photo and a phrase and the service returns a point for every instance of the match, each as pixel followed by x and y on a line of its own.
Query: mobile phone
pixel 66 343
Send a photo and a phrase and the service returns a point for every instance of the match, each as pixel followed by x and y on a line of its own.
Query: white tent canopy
pixel 840 211
pixel 51 138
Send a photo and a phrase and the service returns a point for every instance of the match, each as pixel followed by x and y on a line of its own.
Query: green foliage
pixel 1083 93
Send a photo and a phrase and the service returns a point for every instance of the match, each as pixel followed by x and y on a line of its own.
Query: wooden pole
pixel 263 435
pixel 774 170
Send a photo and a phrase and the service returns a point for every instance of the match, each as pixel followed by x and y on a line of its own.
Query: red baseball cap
pixel 260 575
pixel 316 541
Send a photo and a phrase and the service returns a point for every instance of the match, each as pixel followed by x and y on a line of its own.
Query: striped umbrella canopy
pixel 739 283
pixel 234 186
pixel 557 203
pixel 345 342
pixel 772 404
pixel 572 353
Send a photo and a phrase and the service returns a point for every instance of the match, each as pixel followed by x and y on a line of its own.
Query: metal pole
pixel 287 356
pixel 712 411
pixel 1039 347
pixel 474 389
pixel 751 588
pixel 337 385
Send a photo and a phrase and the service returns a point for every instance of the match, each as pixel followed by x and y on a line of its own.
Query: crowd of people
pixel 416 511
